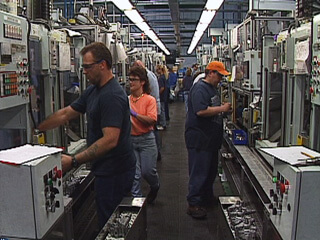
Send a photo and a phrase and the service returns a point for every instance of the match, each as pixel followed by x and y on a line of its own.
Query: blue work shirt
pixel 203 133
pixel 108 106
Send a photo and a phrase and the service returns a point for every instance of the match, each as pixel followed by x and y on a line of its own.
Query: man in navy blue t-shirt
pixel 108 125
pixel 203 137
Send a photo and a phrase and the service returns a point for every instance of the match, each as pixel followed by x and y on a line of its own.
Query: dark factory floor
pixel 166 217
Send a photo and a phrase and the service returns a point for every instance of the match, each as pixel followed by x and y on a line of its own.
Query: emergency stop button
pixel 59 174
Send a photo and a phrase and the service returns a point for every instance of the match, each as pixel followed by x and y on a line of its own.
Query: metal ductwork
pixel 175 18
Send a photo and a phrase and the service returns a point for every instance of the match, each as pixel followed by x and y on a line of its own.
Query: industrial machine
pixel 32 193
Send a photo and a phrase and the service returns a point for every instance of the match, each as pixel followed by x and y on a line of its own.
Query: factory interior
pixel 267 165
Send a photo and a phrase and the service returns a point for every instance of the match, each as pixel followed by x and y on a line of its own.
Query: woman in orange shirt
pixel 143 108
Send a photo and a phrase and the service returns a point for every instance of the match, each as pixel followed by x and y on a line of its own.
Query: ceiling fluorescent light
pixel 134 16
pixel 192 46
pixel 123 4
pixel 207 16
pixel 161 45
pixel 196 38
pixel 143 26
pixel 204 21
pixel 213 4
pixel 202 27
pixel 198 34
pixel 137 19
pixel 152 35
pixel 158 42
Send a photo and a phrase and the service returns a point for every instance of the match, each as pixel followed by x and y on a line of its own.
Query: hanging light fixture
pixel 207 15
pixel 135 17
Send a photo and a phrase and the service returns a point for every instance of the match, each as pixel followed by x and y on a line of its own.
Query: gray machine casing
pixel 23 212
pixel 303 196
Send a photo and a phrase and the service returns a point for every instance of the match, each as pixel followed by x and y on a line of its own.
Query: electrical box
pixel 115 27
pixel 251 70
pixel 31 191
pixel 64 56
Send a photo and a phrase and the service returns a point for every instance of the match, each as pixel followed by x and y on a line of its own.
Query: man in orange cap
pixel 203 137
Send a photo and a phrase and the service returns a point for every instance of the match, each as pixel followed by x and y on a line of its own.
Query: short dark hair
pixel 207 71
pixel 141 73
pixel 99 51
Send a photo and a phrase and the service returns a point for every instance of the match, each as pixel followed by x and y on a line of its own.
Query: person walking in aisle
pixel 203 137
pixel 167 93
pixel 154 91
pixel 186 85
pixel 163 94
pixel 153 82
pixel 143 110
pixel 173 78
pixel 108 123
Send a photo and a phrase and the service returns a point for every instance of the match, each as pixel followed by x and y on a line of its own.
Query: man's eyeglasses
pixel 219 74
pixel 134 79
pixel 90 65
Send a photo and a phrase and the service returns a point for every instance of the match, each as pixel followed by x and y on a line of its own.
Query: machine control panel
pixel 52 181
pixel 315 70
pixel 14 64
pixel 315 80
pixel 34 191
pixel 294 198
pixel 279 195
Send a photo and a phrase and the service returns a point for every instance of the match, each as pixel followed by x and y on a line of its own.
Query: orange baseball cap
pixel 218 66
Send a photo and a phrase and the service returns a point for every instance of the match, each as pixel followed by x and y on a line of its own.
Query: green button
pixel 274 179
pixel 50 181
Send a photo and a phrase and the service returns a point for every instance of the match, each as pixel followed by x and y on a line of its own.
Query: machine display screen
pixel 245 70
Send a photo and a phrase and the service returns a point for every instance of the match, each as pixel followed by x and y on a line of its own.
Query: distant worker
pixel 163 90
pixel 109 140
pixel 173 78
pixel 195 69
pixel 143 118
pixel 186 85
pixel 203 137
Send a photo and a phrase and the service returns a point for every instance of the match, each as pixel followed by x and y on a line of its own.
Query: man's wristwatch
pixel 74 162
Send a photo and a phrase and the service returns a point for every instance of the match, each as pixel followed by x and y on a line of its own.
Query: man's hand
pixel 66 163
pixel 226 107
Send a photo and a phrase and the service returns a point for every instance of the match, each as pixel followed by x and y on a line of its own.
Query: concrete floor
pixel 166 217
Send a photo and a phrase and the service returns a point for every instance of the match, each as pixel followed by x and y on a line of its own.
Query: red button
pixel 282 188
pixel 59 173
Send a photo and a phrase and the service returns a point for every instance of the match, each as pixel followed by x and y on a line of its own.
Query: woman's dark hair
pixel 189 72
pixel 141 73
pixel 99 52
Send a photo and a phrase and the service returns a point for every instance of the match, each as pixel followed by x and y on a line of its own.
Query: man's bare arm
pixel 211 111
pixel 101 146
pixel 58 118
